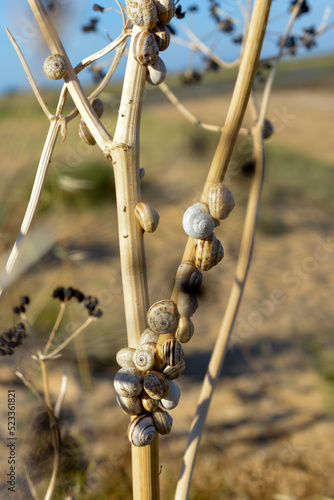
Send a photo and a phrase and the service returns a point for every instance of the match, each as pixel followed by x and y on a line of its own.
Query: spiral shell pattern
pixel 163 421
pixel 141 430
pixel 124 357
pixel 55 67
pixel 149 336
pixel 147 217
pixel 197 222
pixel 156 385
pixel 172 352
pixel 128 382
pixel 162 317
pixel 145 48
pixel 144 357
pixel 143 13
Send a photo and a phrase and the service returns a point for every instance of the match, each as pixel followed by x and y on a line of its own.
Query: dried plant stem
pixel 69 339
pixel 55 326
pixel 31 485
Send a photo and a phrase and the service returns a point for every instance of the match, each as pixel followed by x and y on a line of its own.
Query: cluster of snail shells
pixel 84 132
pixel 151 16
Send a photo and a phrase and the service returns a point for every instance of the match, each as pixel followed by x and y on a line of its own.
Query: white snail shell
pixel 156 72
pixel 124 357
pixel 143 13
pixel 144 357
pixel 156 385
pixel 172 372
pixel 163 421
pixel 145 48
pixel 186 304
pixel 130 406
pixel 220 201
pixel 188 277
pixel 197 221
pixel 172 352
pixel 147 216
pixel 55 67
pixel 148 403
pixel 149 336
pixel 166 10
pixel 141 430
pixel 162 317
pixel 185 330
pixel 172 399
pixel 162 36
pixel 208 253
pixel 128 382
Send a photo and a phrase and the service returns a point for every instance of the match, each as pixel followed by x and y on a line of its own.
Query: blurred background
pixel 270 428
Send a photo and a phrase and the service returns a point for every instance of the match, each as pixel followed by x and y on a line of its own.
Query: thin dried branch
pixel 62 393
pixel 55 327
pixel 31 485
pixel 69 339
pixel 30 387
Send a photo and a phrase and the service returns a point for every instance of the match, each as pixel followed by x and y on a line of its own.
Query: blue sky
pixel 16 15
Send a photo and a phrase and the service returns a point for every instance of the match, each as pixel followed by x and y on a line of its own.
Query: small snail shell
pixel 98 107
pixel 172 352
pixel 156 385
pixel 141 430
pixel 172 372
pixel 84 132
pixel 268 129
pixel 147 216
pixel 148 336
pixel 163 421
pixel 166 10
pixel 55 67
pixel 156 72
pixel 171 401
pixel 124 357
pixel 208 253
pixel 144 357
pixel 141 173
pixel 128 382
pixel 162 317
pixel 220 201
pixel 162 36
pixel 145 48
pixel 197 222
pixel 143 13
pixel 188 277
pixel 185 330
pixel 186 304
pixel 148 403
pixel 130 406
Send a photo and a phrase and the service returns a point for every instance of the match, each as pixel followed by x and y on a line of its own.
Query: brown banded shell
pixel 166 10
pixel 188 277
pixel 149 336
pixel 141 430
pixel 55 67
pixel 148 403
pixel 208 253
pixel 185 330
pixel 147 217
pixel 128 382
pixel 156 72
pixel 186 304
pixel 172 372
pixel 162 36
pixel 197 221
pixel 130 406
pixel 143 13
pixel 162 317
pixel 124 357
pixel 144 357
pixel 172 399
pixel 163 421
pixel 145 48
pixel 172 352
pixel 156 385
pixel 220 201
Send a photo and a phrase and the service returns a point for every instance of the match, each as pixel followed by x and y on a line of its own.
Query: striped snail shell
pixel 55 67
pixel 147 216
pixel 197 221
pixel 208 253
pixel 148 403
pixel 149 336
pixel 144 357
pixel 172 352
pixel 162 36
pixel 145 48
pixel 220 201
pixel 124 357
pixel 185 330
pixel 186 304
pixel 156 72
pixel 172 372
pixel 141 430
pixel 162 420
pixel 162 317
pixel 143 13
pixel 84 132
pixel 188 277
pixel 128 382
pixel 172 399
pixel 166 10
pixel 156 385
pixel 130 406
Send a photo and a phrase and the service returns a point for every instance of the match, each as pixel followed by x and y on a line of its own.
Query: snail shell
pixel 220 201
pixel 84 132
pixel 172 372
pixel 156 385
pixel 186 304
pixel 197 221
pixel 268 129
pixel 141 430
pixel 172 399
pixel 172 352
pixel 148 403
pixel 188 277
pixel 141 173
pixel 128 382
pixel 145 48
pixel 147 216
pixel 208 253
pixel 98 107
pixel 163 421
pixel 55 67
pixel 166 10
pixel 185 330
pixel 162 317
pixel 162 36
pixel 156 72
pixel 149 336
pixel 124 357
pixel 144 357
pixel 130 406
pixel 143 13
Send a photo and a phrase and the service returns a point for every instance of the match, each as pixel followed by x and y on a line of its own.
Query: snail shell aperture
pixel 197 221
pixel 147 216
pixel 143 13
pixel 141 430
pixel 162 317
pixel 55 67
pixel 220 201
pixel 156 385
pixel 128 382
